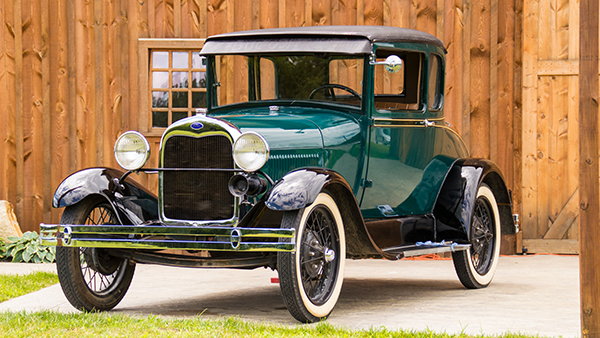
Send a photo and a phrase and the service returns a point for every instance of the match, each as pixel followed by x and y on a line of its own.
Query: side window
pixel 434 92
pixel 177 85
pixel 400 90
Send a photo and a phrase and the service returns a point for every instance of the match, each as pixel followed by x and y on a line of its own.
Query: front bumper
pixel 212 238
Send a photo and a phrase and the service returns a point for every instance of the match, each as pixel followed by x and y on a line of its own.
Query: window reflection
pixel 160 59
pixel 160 79
pixel 181 60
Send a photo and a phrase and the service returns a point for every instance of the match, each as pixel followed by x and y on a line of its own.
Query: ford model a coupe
pixel 318 144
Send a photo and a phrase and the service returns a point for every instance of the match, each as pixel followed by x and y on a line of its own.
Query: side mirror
pixel 392 63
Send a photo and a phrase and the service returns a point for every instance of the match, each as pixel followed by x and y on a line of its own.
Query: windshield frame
pixel 213 84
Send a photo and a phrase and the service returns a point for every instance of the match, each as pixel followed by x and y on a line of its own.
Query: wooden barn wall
pixel 69 73
pixel 550 126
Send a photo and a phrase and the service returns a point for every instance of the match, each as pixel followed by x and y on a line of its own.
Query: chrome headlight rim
pixel 254 165
pixel 144 153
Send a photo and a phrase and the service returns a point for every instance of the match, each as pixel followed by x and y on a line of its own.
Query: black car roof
pixel 346 39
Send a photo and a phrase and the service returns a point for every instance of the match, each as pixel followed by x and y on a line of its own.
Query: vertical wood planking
pixel 177 18
pixel 505 94
pixel 360 12
pixel 453 36
pixel 320 12
pixel 269 13
pixel 440 18
pixel 123 103
pixel 373 12
pixel 18 121
pixel 26 121
pixel 4 108
pixel 466 74
pixel 164 17
pixel 294 13
pixel 72 93
pixel 47 191
pixel 493 79
pixel 85 146
pixel 545 97
pixel 589 239
pixel 36 159
pixel 480 79
pixel 517 122
pixel 59 90
pixel 573 112
pixel 426 16
pixel 151 11
pixel 98 113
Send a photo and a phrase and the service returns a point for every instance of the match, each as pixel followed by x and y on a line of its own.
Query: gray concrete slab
pixel 531 294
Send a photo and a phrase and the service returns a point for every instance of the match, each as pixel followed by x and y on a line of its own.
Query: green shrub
pixel 28 249
pixel 2 249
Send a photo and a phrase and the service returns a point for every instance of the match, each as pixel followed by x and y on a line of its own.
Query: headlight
pixel 132 150
pixel 250 151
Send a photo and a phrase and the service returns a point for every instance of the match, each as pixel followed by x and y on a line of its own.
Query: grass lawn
pixel 50 324
pixel 12 286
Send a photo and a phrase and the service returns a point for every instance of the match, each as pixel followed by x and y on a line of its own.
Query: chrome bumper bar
pixel 212 238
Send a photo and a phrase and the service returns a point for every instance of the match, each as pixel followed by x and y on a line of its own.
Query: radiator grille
pixel 197 195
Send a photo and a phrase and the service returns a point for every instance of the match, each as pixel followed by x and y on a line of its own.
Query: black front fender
pixel 129 199
pixel 300 188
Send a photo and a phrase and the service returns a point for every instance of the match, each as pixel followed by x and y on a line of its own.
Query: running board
pixel 423 248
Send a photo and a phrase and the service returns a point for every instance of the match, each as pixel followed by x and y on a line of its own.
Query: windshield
pixel 313 77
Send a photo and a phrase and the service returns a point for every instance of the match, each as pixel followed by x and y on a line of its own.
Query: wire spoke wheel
pixel 317 256
pixel 476 267
pixel 311 278
pixel 91 278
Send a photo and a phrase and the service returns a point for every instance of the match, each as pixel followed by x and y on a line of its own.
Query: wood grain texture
pixel 556 246
pixel 589 216
pixel 19 115
pixel 529 119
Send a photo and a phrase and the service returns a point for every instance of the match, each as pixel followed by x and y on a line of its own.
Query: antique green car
pixel 318 144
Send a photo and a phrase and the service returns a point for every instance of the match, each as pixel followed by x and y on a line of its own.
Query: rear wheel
pixel 311 278
pixel 476 267
pixel 92 279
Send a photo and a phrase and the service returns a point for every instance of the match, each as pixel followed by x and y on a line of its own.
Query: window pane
pixel 160 99
pixel 198 61
pixel 198 80
pixel 180 60
pixel 178 115
pixel 160 79
pixel 180 79
pixel 433 94
pixel 180 99
pixel 198 99
pixel 160 119
pixel 160 59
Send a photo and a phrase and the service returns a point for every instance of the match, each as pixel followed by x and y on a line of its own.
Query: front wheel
pixel 92 279
pixel 311 277
pixel 476 267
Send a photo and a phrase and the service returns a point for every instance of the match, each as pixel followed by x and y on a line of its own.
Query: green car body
pixel 352 121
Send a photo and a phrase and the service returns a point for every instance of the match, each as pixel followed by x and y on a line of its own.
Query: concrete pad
pixel 529 294
pixel 7 268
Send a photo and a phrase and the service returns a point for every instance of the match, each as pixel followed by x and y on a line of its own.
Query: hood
pixel 296 127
